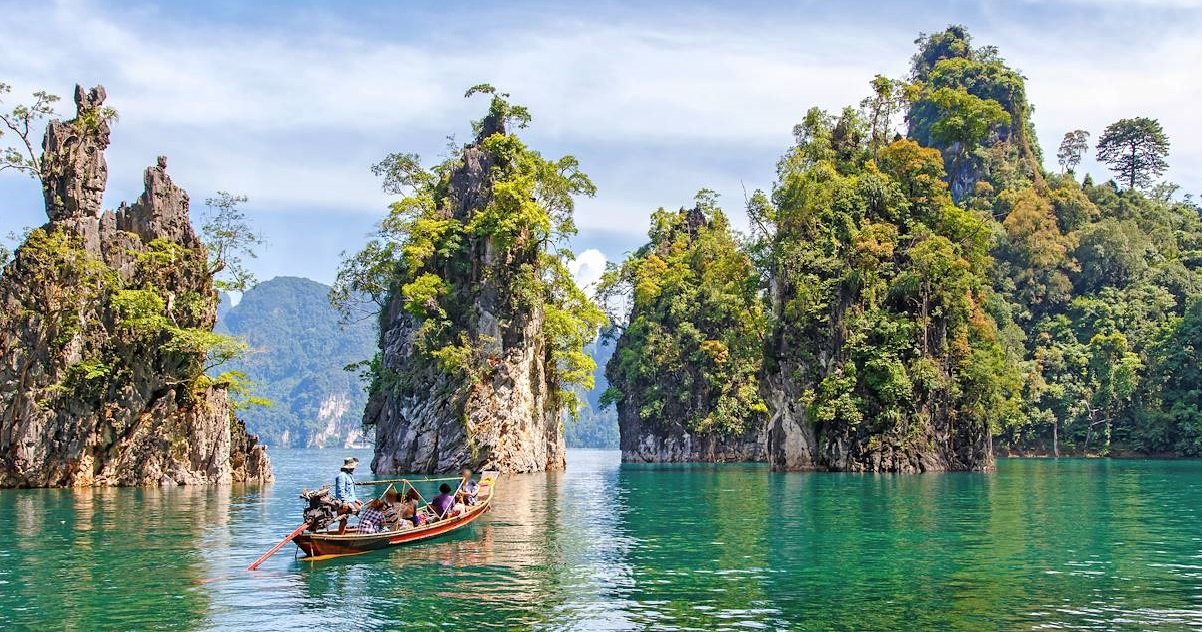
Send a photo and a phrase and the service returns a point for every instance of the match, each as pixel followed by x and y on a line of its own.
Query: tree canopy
pixel 1049 310
pixel 1072 149
pixel 1135 149
pixel 229 239
pixel 879 283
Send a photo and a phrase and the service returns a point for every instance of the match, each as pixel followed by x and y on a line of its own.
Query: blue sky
pixel 289 103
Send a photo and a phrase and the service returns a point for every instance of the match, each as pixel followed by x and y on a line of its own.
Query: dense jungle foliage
pixel 947 274
pixel 879 282
pixel 1094 283
pixel 691 348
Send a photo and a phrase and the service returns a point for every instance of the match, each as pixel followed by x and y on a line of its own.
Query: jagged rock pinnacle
pixel 86 100
pixel 494 123
pixel 695 220
pixel 74 172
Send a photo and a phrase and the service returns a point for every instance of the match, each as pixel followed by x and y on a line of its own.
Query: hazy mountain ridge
pixel 299 350
pixel 597 426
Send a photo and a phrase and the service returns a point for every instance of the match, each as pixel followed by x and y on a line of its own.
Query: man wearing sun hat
pixel 344 491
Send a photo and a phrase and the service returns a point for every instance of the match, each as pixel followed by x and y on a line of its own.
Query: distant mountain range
pixel 595 428
pixel 299 348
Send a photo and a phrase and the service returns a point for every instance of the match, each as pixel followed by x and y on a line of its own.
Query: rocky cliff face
pixel 1009 151
pixel 502 412
pixel 643 443
pixel 103 317
pixel 795 441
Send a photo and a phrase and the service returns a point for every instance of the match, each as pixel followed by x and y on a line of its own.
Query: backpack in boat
pixel 322 509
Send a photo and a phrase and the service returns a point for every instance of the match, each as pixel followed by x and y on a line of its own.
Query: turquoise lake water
pixel 1037 544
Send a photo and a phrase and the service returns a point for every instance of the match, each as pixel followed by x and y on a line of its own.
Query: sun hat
pixel 350 461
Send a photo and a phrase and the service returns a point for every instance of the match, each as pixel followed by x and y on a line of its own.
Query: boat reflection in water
pixel 520 563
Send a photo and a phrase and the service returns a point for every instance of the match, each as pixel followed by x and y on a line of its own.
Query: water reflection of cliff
pixel 107 557
pixel 700 556
pixel 1039 543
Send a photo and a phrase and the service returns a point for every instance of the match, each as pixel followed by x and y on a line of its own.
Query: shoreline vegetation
pixel 916 292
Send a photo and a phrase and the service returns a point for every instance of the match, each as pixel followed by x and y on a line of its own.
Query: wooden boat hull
pixel 327 544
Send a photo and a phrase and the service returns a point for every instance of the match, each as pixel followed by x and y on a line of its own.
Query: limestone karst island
pixel 842 316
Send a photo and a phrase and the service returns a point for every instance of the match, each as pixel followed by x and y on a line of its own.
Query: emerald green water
pixel 1039 543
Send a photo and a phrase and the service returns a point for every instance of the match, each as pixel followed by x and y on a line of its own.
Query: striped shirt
pixel 392 517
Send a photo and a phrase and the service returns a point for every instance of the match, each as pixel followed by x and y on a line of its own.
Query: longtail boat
pixel 323 545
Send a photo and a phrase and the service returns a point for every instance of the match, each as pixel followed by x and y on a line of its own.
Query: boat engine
pixel 322 509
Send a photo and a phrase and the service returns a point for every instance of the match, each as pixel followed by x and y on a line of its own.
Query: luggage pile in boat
pixel 322 510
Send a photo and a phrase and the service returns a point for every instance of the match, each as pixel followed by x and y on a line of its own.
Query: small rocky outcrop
pixel 500 411
pixel 948 59
pixel 105 318
pixel 796 442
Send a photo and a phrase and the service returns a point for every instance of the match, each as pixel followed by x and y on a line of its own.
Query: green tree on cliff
pixel 1072 148
pixel 1135 149
pixel 889 97
pixel 964 118
pixel 229 240
pixel 433 252
pixel 24 121
pixel 1035 251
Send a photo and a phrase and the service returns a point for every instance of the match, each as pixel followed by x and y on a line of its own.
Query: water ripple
pixel 1039 544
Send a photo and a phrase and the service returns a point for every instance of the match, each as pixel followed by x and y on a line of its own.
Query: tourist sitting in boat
pixel 392 510
pixel 468 488
pixel 408 508
pixel 344 492
pixel 371 519
pixel 443 503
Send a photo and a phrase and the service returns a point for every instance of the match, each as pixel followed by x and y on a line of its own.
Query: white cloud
pixel 587 268
pixel 657 103
pixel 233 107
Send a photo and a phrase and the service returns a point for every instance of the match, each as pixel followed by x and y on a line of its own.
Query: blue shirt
pixel 344 487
